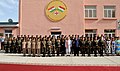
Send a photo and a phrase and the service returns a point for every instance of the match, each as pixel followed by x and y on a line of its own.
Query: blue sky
pixel 9 9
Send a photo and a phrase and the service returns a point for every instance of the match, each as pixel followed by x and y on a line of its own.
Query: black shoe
pixel 43 56
pixel 29 55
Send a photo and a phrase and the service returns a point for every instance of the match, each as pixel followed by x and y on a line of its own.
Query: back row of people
pixel 50 45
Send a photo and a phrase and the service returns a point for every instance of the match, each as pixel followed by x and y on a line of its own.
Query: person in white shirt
pixel 68 45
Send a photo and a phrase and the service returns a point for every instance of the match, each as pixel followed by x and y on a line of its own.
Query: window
pixel 109 11
pixel 8 33
pixel 109 33
pixel 90 11
pixel 90 33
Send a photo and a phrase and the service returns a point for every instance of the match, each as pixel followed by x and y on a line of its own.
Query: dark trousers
pixel 89 51
pixel 11 49
pixel 72 50
pixel 62 50
pixel 76 51
pixel 14 49
pixel 44 51
pixel 58 50
pixel 101 51
pixel 6 49
pixel 49 51
pixel 19 49
pixel 95 51
pixel 83 51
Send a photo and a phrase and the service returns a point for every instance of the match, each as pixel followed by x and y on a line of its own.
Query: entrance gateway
pixel 56 34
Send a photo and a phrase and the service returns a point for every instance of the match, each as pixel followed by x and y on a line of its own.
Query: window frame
pixel 112 15
pixel 88 11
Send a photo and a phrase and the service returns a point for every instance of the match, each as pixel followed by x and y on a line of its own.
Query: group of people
pixel 63 45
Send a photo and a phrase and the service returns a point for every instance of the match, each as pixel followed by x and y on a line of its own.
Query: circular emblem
pixel 56 10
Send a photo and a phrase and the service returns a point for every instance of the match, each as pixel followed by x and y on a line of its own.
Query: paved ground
pixel 67 61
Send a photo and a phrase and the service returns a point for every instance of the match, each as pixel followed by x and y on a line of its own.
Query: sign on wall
pixel 56 10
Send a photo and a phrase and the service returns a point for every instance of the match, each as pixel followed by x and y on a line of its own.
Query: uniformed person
pixel 53 45
pixel 38 47
pixel 19 45
pixel 29 46
pixel 95 46
pixel 10 44
pixel 33 47
pixel 24 47
pixel 58 45
pixel 44 46
pixel 101 44
pixel 14 45
pixel 88 46
pixel 49 47
pixel 6 45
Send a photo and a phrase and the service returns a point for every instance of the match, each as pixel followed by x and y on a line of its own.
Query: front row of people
pixel 49 46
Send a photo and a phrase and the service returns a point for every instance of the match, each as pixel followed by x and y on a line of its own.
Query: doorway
pixel 56 34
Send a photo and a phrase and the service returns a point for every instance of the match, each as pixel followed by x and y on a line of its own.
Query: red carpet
pixel 15 67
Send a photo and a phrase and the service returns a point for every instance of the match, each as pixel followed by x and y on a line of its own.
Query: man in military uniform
pixel 49 46
pixel 38 46
pixel 58 45
pixel 88 46
pixel 95 46
pixel 6 45
pixel 33 47
pixel 29 46
pixel 44 46
pixel 10 44
pixel 101 44
pixel 14 45
pixel 53 45
pixel 24 47
pixel 19 45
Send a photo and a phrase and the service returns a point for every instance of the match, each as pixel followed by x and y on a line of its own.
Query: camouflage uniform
pixel 29 47
pixel 6 45
pixel 33 47
pixel 38 47
pixel 58 46
pixel 49 47
pixel 24 47
pixel 44 47
pixel 53 46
